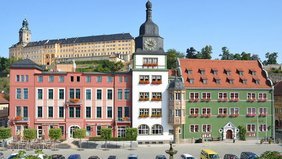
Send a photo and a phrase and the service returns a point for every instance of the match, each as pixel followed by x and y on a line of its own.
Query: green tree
pixel 29 134
pixel 191 53
pixel 108 66
pixel 3 63
pixel 206 52
pixel 226 55
pixel 172 56
pixel 106 134
pixel 79 134
pixel 271 58
pixel 131 134
pixel 55 134
pixel 5 133
pixel 270 155
pixel 242 133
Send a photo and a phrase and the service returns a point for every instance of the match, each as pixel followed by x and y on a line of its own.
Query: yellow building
pixel 46 52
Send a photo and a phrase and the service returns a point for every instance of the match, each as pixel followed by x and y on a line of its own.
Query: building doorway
pixel 72 129
pixel 229 134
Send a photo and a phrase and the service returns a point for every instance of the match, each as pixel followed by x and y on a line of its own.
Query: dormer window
pixel 243 80
pixel 240 72
pixel 191 80
pixel 214 71
pixel 217 80
pixel 189 71
pixel 202 71
pixel 253 72
pixel 230 80
pixel 256 81
pixel 204 80
pixel 227 72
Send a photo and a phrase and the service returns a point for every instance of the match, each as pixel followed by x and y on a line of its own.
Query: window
pixel 77 112
pixel 206 95
pixel 206 111
pixel 157 129
pixel 194 111
pixel 206 128
pixel 120 79
pixel 61 112
pixel 189 72
pixel 88 112
pixel 222 111
pixel 126 94
pixel 251 128
pixel 253 72
pixel 71 93
pixel 228 72
pixel 144 79
pixel 214 71
pixel 143 112
pixel 50 93
pixel 125 79
pixel 143 129
pixel 191 80
pixel 251 111
pixel 25 90
pixel 88 94
pixel 71 112
pixel 262 96
pixel 119 113
pixel 263 111
pixel 178 112
pixel 217 80
pixel 61 94
pixel 205 81
pixel 22 78
pixel 156 96
pixel 72 79
pixel 19 93
pixel 78 78
pixel 77 93
pixel 240 72
pixel 61 79
pixel 98 130
pixel 262 128
pixel 231 81
pixel 62 129
pixel 222 95
pixel 251 96
pixel 194 128
pixel 143 96
pixel 39 94
pixel 194 96
pixel 121 131
pixel 109 94
pixel 177 96
pixel 99 94
pixel 18 111
pixel 50 112
pixel 25 112
pixel 234 111
pixel 99 79
pixel 156 112
pixel 99 112
pixel 126 111
pixel 109 79
pixel 150 61
pixel 234 95
pixel 120 94
pixel 202 71
pixel 51 79
pixel 109 112
pixel 18 78
pixel 39 112
pixel 88 79
pixel 88 130
pixel 156 79
pixel 26 78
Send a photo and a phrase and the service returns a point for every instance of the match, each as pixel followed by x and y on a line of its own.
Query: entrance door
pixel 229 134
pixel 72 129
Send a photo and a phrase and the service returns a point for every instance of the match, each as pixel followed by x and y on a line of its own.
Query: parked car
pixel 57 156
pixel 187 156
pixel 132 156
pixel 248 155
pixel 13 156
pixel 74 156
pixel 93 157
pixel 1 155
pixel 112 157
pixel 209 154
pixel 230 156
pixel 160 157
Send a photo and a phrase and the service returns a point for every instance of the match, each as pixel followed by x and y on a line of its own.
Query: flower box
pixel 156 115
pixel 222 99
pixel 233 115
pixel 234 100
pixel 194 115
pixel 74 100
pixel 262 100
pixel 221 115
pixel 205 115
pixel 150 64
pixel 205 100
pixel 143 115
pixel 194 100
pixel 18 118
pixel 251 100
pixel 144 82
pixel 156 99
pixel 156 82
pixel 251 115
pixel 262 115
pixel 143 99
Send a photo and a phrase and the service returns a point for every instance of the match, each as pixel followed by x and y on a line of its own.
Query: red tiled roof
pixel 278 89
pixel 222 67
pixel 2 99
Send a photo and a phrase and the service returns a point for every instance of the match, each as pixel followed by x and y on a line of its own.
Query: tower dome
pixel 149 28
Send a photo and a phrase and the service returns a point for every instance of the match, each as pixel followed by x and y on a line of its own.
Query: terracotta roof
pixel 278 89
pixel 3 100
pixel 222 67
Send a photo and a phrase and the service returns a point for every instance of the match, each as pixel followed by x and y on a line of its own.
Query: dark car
pixel 74 156
pixel 160 157
pixel 57 156
pixel 93 157
pixel 248 155
pixel 230 156
pixel 112 157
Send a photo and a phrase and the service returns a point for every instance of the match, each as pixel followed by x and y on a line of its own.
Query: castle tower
pixel 24 33
pixel 150 83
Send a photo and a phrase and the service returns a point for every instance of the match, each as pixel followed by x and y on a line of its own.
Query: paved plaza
pixel 150 151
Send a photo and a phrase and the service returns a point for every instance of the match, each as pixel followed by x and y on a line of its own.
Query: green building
pixel 223 95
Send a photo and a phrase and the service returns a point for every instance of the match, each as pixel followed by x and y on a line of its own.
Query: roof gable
pixel 26 63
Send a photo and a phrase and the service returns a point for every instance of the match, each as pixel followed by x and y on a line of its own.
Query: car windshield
pixel 190 158
pixel 214 156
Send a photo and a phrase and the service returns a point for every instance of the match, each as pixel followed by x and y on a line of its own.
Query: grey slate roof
pixel 278 89
pixel 26 63
pixel 176 84
pixel 120 36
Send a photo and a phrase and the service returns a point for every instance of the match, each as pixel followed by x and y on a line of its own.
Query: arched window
pixel 143 129
pixel 157 129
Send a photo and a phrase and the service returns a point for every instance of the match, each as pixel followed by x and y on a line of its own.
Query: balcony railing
pixel 21 119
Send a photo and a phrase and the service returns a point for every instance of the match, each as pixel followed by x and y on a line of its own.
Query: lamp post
pixel 171 151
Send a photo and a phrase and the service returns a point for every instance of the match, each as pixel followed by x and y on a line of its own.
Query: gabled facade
pixel 223 95
pixel 278 105
pixel 4 106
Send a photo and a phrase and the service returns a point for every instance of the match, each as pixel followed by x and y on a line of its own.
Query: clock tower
pixel 150 84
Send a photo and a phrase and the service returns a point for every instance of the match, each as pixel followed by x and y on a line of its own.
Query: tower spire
pixel 149 11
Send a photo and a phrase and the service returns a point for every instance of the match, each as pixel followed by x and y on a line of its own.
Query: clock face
pixel 150 44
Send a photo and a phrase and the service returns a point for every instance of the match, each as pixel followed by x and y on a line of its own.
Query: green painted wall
pixel 219 122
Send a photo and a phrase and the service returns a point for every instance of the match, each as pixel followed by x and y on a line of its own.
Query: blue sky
pixel 253 26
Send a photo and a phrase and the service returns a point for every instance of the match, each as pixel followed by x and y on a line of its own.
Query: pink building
pixel 68 100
